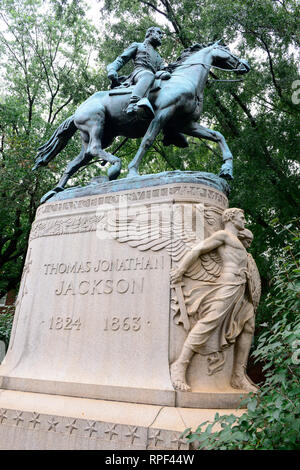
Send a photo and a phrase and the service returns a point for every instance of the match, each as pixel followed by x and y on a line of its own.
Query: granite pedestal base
pixel 34 421
pixel 94 333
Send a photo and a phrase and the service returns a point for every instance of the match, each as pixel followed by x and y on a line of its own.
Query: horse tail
pixel 56 143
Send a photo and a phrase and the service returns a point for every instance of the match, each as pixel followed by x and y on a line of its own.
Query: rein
pixel 215 67
pixel 208 65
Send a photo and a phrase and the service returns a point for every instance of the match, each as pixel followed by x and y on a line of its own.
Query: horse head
pixel 214 54
pixel 223 58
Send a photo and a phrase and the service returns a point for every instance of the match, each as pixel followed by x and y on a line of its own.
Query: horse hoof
pixel 226 171
pixel 51 193
pixel 47 196
pixel 227 175
pixel 114 171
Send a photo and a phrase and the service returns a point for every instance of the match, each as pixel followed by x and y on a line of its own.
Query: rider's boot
pixel 132 107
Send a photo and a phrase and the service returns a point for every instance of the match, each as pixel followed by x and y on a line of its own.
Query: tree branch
pixel 164 155
pixel 149 4
pixel 60 108
pixel 277 87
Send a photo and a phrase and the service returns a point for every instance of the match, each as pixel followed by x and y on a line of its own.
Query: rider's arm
pixel 163 72
pixel 122 59
pixel 162 65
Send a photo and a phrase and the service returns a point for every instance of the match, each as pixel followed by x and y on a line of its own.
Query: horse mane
pixel 187 53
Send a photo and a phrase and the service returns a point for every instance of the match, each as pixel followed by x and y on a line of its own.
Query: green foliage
pixel 257 116
pixel 45 50
pixel 46 71
pixel 6 321
pixel 272 420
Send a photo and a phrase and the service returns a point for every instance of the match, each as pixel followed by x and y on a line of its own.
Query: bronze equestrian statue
pixel 173 105
pixel 148 65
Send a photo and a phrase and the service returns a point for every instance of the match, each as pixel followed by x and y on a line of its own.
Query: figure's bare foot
pixel 114 171
pixel 177 371
pixel 242 382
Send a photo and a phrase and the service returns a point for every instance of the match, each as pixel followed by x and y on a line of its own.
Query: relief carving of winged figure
pixel 215 286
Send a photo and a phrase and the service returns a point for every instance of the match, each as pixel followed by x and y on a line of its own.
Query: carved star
pixel 18 418
pixel 111 432
pixel 53 424
pixel 132 433
pixel 177 440
pixel 34 419
pixel 3 415
pixel 91 428
pixel 156 437
pixel 72 426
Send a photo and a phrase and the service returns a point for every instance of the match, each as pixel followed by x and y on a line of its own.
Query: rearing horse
pixel 177 105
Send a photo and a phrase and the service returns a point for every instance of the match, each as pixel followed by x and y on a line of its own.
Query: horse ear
pixel 214 44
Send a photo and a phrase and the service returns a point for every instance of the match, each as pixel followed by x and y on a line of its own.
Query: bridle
pixel 214 66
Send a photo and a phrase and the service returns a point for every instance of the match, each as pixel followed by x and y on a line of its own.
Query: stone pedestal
pixel 94 334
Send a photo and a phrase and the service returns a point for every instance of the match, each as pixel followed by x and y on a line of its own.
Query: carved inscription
pixel 98 276
pixel 64 323
pixel 137 195
pixel 101 277
pixel 124 323
pixel 100 286
pixel 144 263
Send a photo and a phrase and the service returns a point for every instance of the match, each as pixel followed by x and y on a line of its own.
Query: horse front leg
pixel 196 130
pixel 153 130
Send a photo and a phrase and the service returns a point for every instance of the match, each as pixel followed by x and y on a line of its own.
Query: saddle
pixel 170 138
pixel 126 89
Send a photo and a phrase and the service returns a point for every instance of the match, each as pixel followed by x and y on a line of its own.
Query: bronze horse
pixel 177 104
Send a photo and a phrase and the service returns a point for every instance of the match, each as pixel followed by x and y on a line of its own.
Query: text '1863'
pixel 122 323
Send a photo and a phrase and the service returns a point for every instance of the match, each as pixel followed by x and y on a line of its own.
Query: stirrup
pixel 131 108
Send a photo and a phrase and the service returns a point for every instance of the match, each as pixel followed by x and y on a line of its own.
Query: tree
pixel 45 49
pixel 256 116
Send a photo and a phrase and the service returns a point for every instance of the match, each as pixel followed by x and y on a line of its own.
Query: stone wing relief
pixel 213 217
pixel 173 229
pixel 214 312
pixel 153 231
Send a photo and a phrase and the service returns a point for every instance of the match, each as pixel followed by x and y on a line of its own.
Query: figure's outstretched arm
pixel 205 246
pixel 120 61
